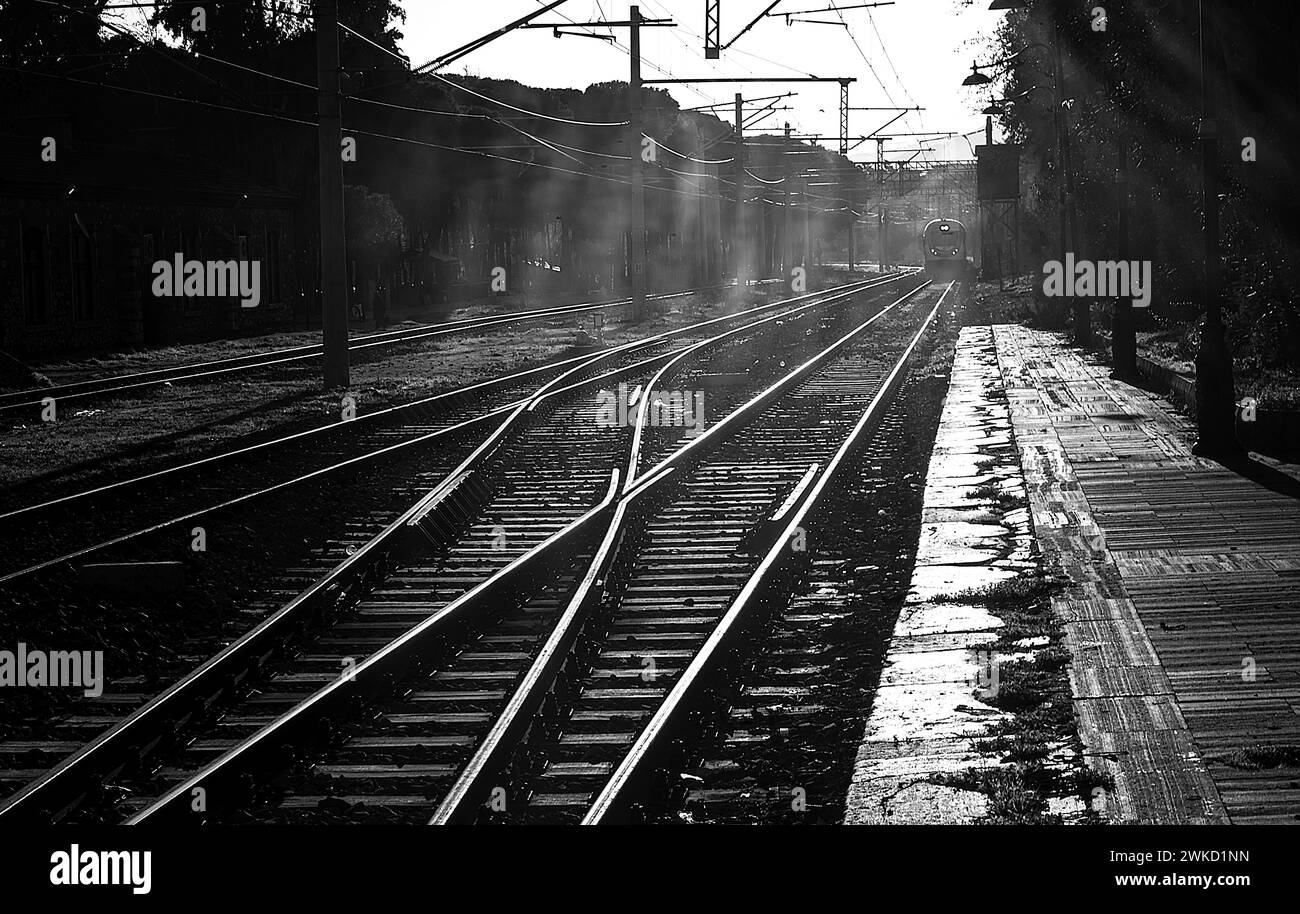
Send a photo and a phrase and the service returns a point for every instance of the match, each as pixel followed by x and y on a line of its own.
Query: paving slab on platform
pixel 1181 607
pixel 1183 611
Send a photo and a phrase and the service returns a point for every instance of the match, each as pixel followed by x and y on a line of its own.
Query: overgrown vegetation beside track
pixel 1038 741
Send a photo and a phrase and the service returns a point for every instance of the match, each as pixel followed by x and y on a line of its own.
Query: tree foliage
pixel 1136 84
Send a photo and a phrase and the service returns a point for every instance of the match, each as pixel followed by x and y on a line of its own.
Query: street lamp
pixel 996 104
pixel 976 78
pixel 1068 230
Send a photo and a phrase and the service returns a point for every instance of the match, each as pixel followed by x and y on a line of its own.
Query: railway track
pixel 526 501
pixel 31 400
pixel 115 519
pixel 684 578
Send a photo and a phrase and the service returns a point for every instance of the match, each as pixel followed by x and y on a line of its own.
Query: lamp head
pixel 976 78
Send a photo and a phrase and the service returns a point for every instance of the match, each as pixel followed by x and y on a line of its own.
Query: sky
pixel 911 53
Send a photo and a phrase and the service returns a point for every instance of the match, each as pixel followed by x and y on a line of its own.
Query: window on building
pixel 36 286
pixel 83 275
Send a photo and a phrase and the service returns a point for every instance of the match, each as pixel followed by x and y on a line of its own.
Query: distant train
pixel 943 243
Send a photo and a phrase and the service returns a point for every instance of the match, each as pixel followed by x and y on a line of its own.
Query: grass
pixel 1013 798
pixel 1034 692
pixel 1256 758
pixel 992 491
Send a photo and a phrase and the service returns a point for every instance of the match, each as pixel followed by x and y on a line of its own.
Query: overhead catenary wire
pixel 645 61
pixel 538 114
pixel 554 146
pixel 488 98
pixel 352 130
pixel 545 141
pixel 255 72
pixel 171 98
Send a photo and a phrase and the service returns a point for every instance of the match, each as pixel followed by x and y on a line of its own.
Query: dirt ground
pixel 99 438
pixel 64 370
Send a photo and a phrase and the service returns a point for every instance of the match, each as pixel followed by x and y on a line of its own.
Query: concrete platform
pixel 1181 607
pixel 926 716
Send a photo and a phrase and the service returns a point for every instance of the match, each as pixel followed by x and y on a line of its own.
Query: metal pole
pixel 1123 343
pixel 1082 306
pixel 844 118
pixel 715 228
pixel 884 233
pixel 787 256
pixel 988 215
pixel 700 263
pixel 853 221
pixel 712 29
pixel 635 129
pixel 333 249
pixel 738 233
pixel 880 214
pixel 1215 393
pixel 807 224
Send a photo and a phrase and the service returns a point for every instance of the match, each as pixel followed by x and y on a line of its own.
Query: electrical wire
pixel 171 98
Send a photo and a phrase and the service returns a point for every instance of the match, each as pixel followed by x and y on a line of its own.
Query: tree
pixel 239 29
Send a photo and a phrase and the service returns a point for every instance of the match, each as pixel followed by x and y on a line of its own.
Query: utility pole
pixel 333 252
pixel 787 254
pixel 880 215
pixel 635 129
pixel 844 117
pixel 1069 226
pixel 637 228
pixel 712 29
pixel 1215 393
pixel 853 219
pixel 700 266
pixel 988 233
pixel 715 228
pixel 1123 344
pixel 738 232
pixel 807 222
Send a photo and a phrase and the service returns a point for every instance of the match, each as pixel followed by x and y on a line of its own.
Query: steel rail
pixel 549 389
pixel 372 678
pixel 398 659
pixel 494 753
pixel 325 429
pixel 120 383
pixel 363 419
pixel 633 778
pixel 634 456
pixel 65 785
